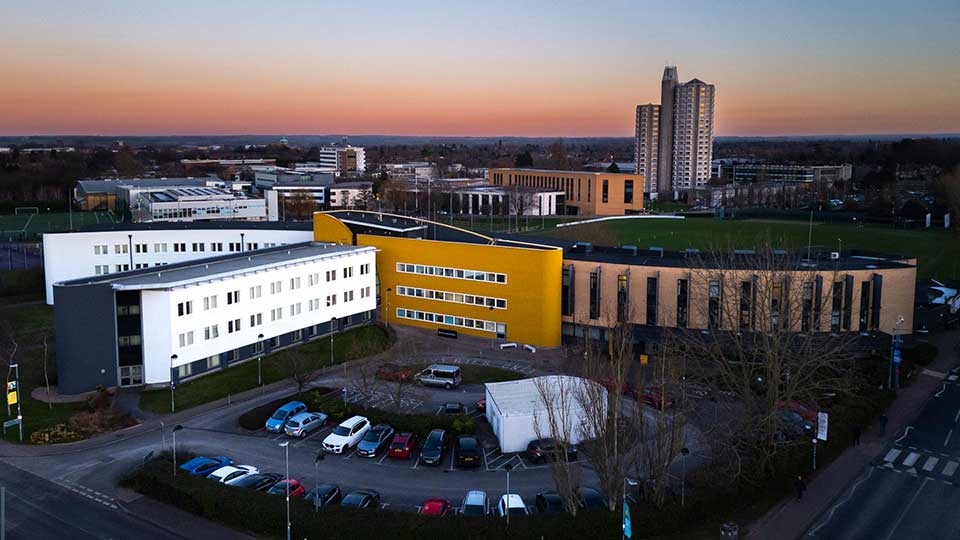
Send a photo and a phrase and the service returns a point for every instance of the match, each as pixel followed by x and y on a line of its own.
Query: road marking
pixel 905 433
pixel 952 378
pixel 308 437
pixel 930 464
pixel 416 463
pixel 946 442
pixel 845 499
pixel 911 459
pixel 956 417
pixel 350 455
pixel 950 468
pixel 891 455
pixel 903 513
pixel 385 454
pixel 940 393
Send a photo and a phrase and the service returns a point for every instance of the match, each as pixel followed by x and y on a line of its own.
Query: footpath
pixel 790 518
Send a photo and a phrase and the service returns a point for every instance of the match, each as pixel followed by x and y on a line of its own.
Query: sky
pixel 474 68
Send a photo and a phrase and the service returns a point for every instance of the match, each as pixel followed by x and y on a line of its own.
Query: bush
pixel 54 435
pixel 921 354
pixel 259 513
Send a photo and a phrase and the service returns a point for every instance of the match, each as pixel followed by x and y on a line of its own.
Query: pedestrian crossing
pixel 922 463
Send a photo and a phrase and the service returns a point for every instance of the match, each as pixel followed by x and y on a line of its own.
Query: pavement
pixel 897 484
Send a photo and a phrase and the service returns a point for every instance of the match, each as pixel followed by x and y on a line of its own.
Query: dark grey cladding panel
pixel 85 319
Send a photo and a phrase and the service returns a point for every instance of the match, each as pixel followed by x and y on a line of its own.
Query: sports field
pixel 29 226
pixel 938 250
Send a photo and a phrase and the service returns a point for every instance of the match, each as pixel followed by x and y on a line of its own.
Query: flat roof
pixel 522 398
pixel 110 185
pixel 199 270
pixel 558 172
pixel 198 225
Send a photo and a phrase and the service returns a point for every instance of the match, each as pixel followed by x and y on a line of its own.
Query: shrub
pixel 56 434
pixel 921 353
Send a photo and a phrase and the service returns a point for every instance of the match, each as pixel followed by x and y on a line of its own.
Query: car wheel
pixel 448 386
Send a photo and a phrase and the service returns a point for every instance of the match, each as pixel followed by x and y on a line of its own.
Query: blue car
pixel 278 421
pixel 202 466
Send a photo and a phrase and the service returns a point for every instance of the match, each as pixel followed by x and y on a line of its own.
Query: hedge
pixel 265 515
pixel 921 353
pixel 328 401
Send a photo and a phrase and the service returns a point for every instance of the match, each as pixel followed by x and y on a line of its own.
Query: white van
pixel 441 375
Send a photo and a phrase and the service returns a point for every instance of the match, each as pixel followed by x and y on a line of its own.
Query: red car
pixel 481 405
pixel 403 445
pixel 610 383
pixel 393 372
pixel 808 413
pixel 655 397
pixel 280 488
pixel 435 507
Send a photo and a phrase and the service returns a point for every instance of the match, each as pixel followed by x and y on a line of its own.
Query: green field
pixel 29 226
pixel 938 251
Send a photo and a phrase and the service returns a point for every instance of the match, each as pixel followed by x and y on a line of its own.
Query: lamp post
pixel 332 320
pixel 316 468
pixel 176 428
pixel 684 452
pixel 506 510
pixel 259 356
pixel 173 408
pixel 286 454
pixel 623 518
pixel 386 315
pixel 894 356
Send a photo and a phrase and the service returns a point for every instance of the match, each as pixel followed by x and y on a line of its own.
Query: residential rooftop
pixel 195 225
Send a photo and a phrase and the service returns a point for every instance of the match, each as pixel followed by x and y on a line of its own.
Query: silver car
pixel 304 423
pixel 475 504
pixel 442 375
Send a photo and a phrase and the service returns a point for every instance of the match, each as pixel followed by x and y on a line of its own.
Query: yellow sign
pixel 12 398
pixel 644 359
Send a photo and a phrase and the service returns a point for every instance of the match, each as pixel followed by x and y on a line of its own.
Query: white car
pixel 231 473
pixel 347 434
pixel 512 503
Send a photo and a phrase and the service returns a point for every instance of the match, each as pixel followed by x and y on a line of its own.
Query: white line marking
pixel 940 393
pixel 956 417
pixel 905 433
pixel 931 463
pixel 911 459
pixel 905 509
pixel 845 499
pixel 952 378
pixel 950 468
pixel 946 442
pixel 891 455
pixel 385 454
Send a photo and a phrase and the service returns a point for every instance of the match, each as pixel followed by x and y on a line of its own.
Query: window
pixel 313 304
pixel 100 250
pixel 472 275
pixel 331 300
pixel 294 283
pixel 236 246
pixel 313 279
pixel 331 275
pixel 747 293
pixel 258 347
pixel 133 309
pixel 864 306
pixel 836 306
pixel 121 248
pixel 348 272
pixel 209 302
pixel 276 314
pixel 807 308
pixel 140 248
pixel 253 246
pixel 595 294
pixel 567 291
pixel 605 191
pixel 216 246
pixel 847 301
pixel 713 305
pixel 123 267
pixel 185 308
pixel 683 303
pixel 179 247
pixel 628 191
pixel 448 320
pixel 275 287
pixel 295 309
pixel 211 332
pixel 255 291
pixel 623 297
pixel 347 296
pixel 186 339
pixel 274 342
pixel 233 297
pixel 776 305
pixel 184 371
pixel 364 269
pixel 101 269
pixel 256 319
pixel 297 335
pixel 653 299
pixel 875 301
pixel 233 326
pixel 129 341
pixel 213 362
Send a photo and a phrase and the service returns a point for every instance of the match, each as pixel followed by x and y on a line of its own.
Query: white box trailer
pixel 515 409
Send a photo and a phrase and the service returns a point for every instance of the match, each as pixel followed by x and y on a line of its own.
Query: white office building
pixel 184 320
pixel 110 249
pixel 197 204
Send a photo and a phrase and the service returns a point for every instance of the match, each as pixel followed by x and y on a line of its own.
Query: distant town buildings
pixel 197 204
pixel 351 195
pixel 117 194
pixel 476 197
pixel 585 193
pixel 674 140
pixel 342 160
pixel 742 171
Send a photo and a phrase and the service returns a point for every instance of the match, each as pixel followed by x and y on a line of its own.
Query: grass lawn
pixel 356 343
pixel 38 415
pixel 481 374
pixel 938 252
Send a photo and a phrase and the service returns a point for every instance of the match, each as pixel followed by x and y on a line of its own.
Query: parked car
pixel 540 450
pixel 512 504
pixel 374 440
pixel 467 451
pixel 280 488
pixel 300 425
pixel 441 375
pixel 226 475
pixel 403 445
pixel 475 504
pixel 347 434
pixel 393 372
pixel 807 413
pixel 434 447
pixel 656 397
pixel 549 502
pixel 258 481
pixel 278 420
pixel 590 499
pixel 202 466
pixel 323 495
pixel 454 407
pixel 481 405
pixel 610 383
pixel 792 425
pixel 361 498
pixel 435 507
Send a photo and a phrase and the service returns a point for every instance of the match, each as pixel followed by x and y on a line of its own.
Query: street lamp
pixel 332 320
pixel 176 428
pixel 684 452
pixel 286 453
pixel 894 356
pixel 506 510
pixel 386 315
pixel 259 356
pixel 316 468
pixel 623 509
pixel 173 358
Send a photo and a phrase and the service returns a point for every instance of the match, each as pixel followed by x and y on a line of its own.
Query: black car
pixel 434 447
pixel 376 438
pixel 468 451
pixel 549 502
pixel 540 450
pixel 454 407
pixel 259 481
pixel 323 495
pixel 590 499
pixel 361 498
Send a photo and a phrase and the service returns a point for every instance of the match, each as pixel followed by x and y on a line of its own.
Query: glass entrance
pixel 501 331
pixel 131 375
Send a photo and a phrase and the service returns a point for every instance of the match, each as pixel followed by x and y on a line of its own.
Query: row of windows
pixel 456 273
pixel 181 247
pixel 448 320
pixel 459 298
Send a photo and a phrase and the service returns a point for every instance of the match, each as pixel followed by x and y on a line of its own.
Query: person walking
pixel 883 423
pixel 856 435
pixel 800 486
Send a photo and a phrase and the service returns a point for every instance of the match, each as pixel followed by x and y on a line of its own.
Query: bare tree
pixel 303 369
pixel 949 188
pixel 560 421
pixel 299 205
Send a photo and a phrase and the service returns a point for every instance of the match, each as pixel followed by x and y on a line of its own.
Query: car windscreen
pixel 372 436
pixel 468 445
pixel 279 415
pixel 445 374
pixel 473 510
pixel 293 424
pixel 517 511
pixel 342 431
pixel 433 441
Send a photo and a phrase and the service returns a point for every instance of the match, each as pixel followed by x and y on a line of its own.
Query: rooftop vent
pixel 631 249
pixel 692 250
pixel 582 247
pixel 744 251
pixel 657 249
pixel 834 255
pixel 779 252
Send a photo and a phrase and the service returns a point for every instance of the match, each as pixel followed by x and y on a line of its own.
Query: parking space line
pixel 950 468
pixel 385 454
pixel 891 455
pixel 350 455
pixel 930 464
pixel 911 459
pixel 416 462
pixel 307 438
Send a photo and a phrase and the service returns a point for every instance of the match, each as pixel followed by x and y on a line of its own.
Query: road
pixel 913 487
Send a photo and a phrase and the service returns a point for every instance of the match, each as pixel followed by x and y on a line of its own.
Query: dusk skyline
pixel 473 69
